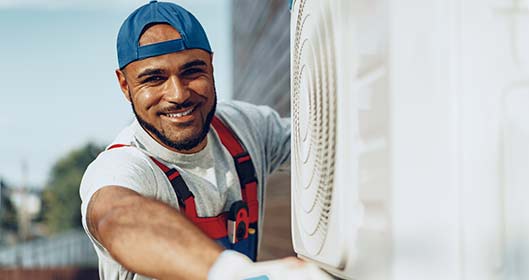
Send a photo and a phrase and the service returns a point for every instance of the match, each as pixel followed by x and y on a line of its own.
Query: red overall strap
pixel 243 164
pixel 214 227
pixel 117 146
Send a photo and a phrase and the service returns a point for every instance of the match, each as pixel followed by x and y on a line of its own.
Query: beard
pixel 185 144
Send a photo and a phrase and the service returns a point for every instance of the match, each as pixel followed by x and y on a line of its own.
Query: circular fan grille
pixel 313 119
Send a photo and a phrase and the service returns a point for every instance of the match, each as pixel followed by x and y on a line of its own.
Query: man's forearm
pixel 153 239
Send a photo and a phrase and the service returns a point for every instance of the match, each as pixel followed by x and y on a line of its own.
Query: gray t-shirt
pixel 210 174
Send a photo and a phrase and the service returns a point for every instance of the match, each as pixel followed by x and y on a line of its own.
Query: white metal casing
pixel 431 156
pixel 339 244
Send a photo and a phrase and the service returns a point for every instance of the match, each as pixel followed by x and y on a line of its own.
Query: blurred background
pixel 450 100
pixel 61 105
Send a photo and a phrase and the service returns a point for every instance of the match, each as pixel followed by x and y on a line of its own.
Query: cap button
pixel 152 1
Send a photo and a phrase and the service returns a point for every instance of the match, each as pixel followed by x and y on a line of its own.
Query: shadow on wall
pixel 277 240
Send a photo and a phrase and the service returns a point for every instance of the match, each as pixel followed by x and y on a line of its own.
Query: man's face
pixel 172 95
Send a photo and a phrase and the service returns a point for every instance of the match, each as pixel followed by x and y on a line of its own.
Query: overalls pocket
pixel 248 246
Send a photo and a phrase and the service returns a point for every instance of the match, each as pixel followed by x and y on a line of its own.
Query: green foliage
pixel 61 195
pixel 8 212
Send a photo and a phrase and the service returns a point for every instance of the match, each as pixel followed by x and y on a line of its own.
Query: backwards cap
pixel 192 33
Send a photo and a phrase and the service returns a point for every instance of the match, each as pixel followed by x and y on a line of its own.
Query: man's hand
pixel 234 266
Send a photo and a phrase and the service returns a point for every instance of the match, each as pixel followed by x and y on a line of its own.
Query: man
pixel 186 173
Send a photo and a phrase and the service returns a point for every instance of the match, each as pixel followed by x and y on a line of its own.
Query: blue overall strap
pixel 248 180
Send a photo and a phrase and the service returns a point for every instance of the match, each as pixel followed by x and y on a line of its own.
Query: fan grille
pixel 314 119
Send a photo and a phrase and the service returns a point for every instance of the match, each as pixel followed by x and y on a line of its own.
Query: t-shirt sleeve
pixel 276 137
pixel 125 167
pixel 270 131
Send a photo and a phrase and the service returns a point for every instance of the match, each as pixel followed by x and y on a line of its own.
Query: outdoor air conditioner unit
pixel 409 138
pixel 339 145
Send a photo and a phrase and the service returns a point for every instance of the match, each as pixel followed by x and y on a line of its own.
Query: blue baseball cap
pixel 191 31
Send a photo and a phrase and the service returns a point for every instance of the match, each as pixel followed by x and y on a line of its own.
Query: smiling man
pixel 184 81
pixel 178 194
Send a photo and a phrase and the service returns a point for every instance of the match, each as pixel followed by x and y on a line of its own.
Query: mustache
pixel 177 106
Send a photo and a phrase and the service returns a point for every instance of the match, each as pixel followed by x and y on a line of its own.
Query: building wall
pixel 262 52
pixel 261 40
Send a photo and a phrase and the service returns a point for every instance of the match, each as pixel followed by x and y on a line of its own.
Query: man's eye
pixel 153 79
pixel 192 71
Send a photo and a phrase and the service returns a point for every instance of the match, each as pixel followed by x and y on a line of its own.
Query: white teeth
pixel 178 115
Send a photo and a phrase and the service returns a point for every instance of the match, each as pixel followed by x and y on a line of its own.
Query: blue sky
pixel 57 84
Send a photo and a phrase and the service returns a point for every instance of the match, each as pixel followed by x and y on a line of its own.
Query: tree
pixel 8 212
pixel 61 194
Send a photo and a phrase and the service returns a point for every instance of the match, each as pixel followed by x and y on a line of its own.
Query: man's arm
pixel 149 237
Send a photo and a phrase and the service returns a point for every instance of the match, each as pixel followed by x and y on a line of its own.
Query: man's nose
pixel 176 91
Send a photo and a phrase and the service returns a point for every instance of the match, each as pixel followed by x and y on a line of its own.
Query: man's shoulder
pixel 120 154
pixel 121 150
pixel 125 166
pixel 119 157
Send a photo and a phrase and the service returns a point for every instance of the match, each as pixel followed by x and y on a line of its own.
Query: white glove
pixel 232 265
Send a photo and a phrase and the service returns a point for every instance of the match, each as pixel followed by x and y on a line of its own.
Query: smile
pixel 181 114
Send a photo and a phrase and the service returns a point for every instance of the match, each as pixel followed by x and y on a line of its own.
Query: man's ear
pixel 123 85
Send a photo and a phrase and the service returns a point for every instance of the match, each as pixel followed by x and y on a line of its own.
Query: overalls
pixel 236 229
